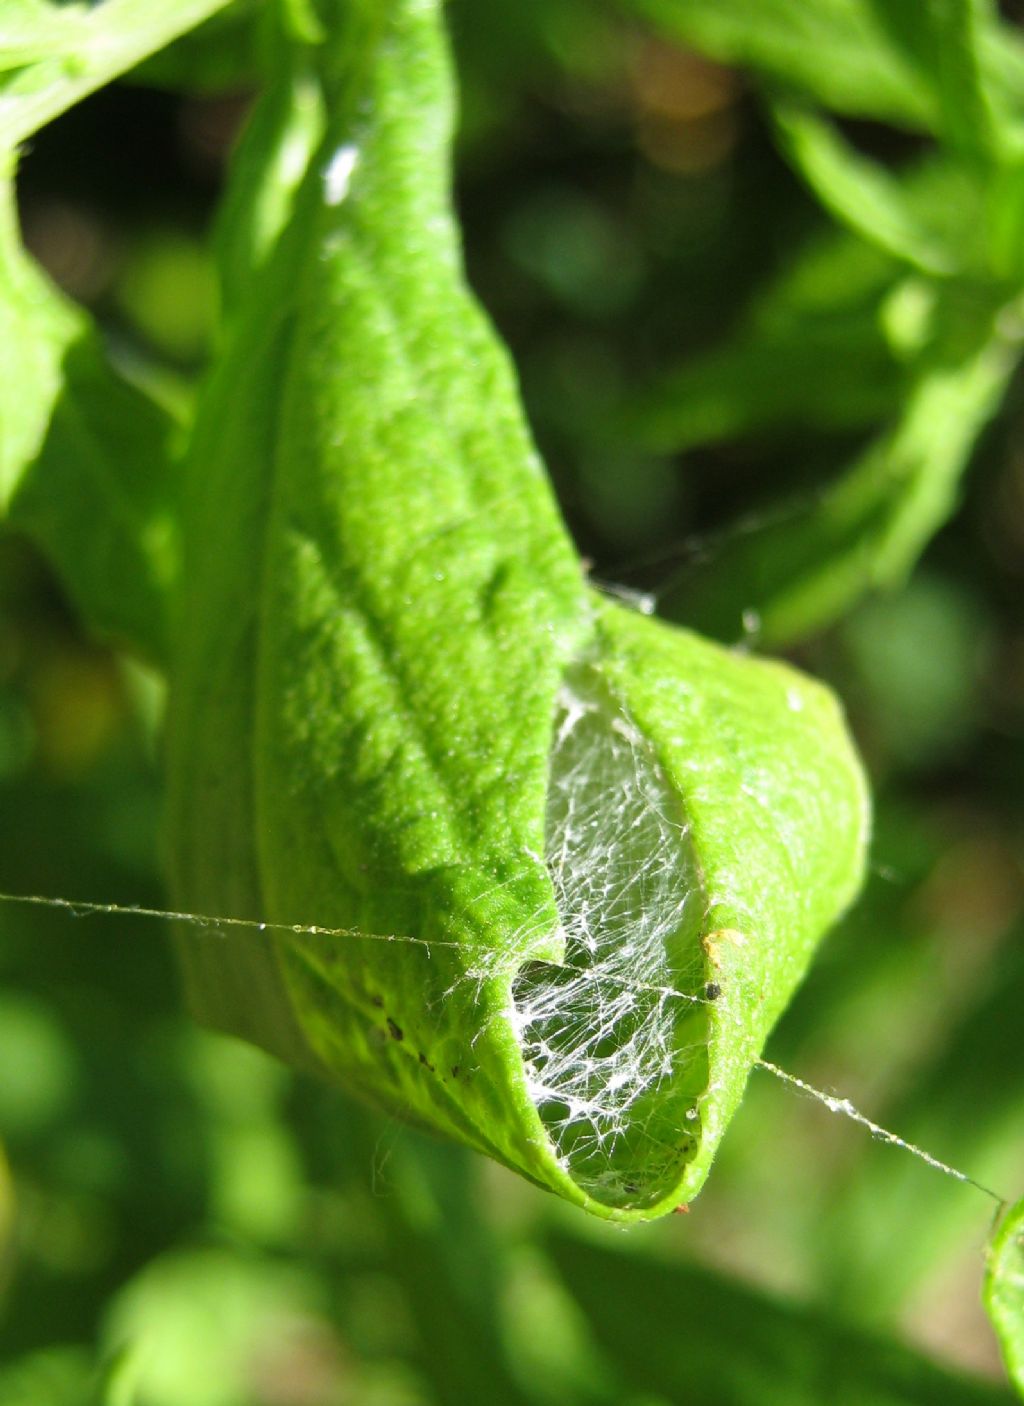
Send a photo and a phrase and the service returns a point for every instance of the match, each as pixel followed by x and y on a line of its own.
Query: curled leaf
pixel 573 861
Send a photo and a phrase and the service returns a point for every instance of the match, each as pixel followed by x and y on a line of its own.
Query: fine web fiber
pixel 615 1053
pixel 212 924
pixel 615 1038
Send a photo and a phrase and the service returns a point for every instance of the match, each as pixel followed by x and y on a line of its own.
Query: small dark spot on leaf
pixel 377 1001
pixel 397 1033
pixel 426 1062
pixel 492 589
pixel 455 1071
pixel 712 991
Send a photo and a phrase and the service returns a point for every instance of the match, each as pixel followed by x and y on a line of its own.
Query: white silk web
pixel 615 1038
pixel 84 908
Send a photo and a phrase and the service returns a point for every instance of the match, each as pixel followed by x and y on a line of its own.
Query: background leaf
pixel 55 54
pixel 812 350
pixel 730 1343
pixel 622 204
pixel 795 573
pixel 1004 1290
pixel 85 465
pixel 282 134
pixel 866 58
pixel 960 26
pixel 954 1092
pixel 878 206
pixel 227 51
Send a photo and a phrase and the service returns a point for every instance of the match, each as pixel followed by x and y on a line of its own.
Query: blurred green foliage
pixel 703 351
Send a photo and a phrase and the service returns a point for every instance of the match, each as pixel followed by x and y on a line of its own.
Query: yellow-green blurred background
pixel 183 1222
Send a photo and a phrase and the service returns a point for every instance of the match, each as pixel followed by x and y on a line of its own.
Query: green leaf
pixel 795 573
pixel 840 337
pixel 836 51
pixel 60 1374
pixel 863 58
pixel 302 22
pixel 1004 1290
pixel 54 54
pixel 37 327
pixel 968 119
pixel 580 858
pixel 957 48
pixel 189 1326
pixel 963 1104
pixel 221 54
pixel 814 350
pixel 84 457
pixel 883 209
pixel 282 134
pixel 686 1334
